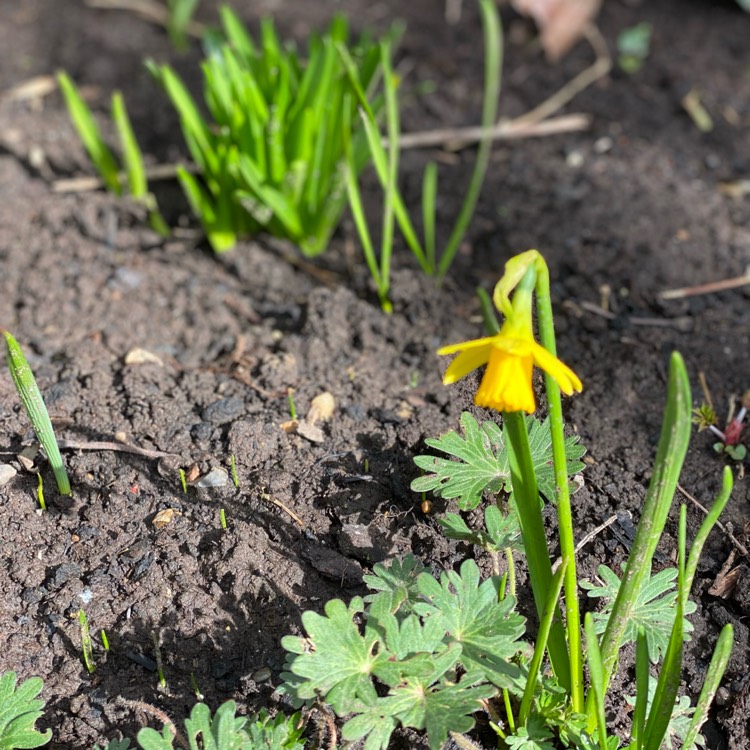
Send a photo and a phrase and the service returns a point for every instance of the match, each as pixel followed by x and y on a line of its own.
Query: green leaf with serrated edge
pixel 483 462
pixel 398 578
pixel 438 708
pixel 653 610
pixel 150 739
pixel 342 660
pixel 278 733
pixel 223 731
pixel 31 398
pixel 503 531
pixel 533 736
pixel 19 711
pixel 487 630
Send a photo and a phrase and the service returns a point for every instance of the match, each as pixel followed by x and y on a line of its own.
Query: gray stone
pixel 215 478
pixel 223 411
pixel 7 472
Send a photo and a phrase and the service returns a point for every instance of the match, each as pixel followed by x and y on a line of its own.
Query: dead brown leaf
pixel 561 23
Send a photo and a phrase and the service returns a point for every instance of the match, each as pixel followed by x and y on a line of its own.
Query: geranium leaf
pixel 479 461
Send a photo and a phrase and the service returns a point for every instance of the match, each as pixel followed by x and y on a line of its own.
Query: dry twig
pixel 149 11
pixel 741 547
pixel 708 288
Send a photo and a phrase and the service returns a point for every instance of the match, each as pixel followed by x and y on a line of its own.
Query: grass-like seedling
pixel 87 647
pixel 40 492
pixel 134 176
pixel 180 14
pixel 19 711
pixel 272 156
pixel 385 160
pixel 31 398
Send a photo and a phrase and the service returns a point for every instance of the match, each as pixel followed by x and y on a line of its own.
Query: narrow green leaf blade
pixel 90 134
pixel 131 152
pixel 31 397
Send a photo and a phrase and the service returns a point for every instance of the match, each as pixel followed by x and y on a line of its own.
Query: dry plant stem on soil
pixel 149 10
pixel 707 288
pixel 736 542
pixel 504 131
pixel 600 68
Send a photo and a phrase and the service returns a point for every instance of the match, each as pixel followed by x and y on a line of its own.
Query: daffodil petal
pixel 568 381
pixel 506 385
pixel 473 344
pixel 466 362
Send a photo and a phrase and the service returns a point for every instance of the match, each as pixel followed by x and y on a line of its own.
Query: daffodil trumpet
pixel 510 356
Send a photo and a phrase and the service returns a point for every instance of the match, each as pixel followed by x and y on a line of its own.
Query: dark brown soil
pixel 632 206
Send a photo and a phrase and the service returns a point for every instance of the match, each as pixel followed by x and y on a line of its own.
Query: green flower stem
pixel 545 623
pixel 528 505
pixel 673 443
pixel 564 514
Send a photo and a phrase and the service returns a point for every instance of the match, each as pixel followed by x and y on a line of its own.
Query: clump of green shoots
pixel 31 398
pixel 272 156
pixel 386 158
pixel 134 175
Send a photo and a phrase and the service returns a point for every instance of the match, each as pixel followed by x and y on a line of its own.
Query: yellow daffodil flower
pixel 510 356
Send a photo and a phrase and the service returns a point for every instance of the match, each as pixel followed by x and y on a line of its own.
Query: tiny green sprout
pixel 31 398
pixel 704 417
pixel 40 492
pixel 233 468
pixel 159 663
pixel 292 406
pixel 183 481
pixel 735 452
pixel 223 519
pixel 414 379
pixel 196 689
pixel 105 640
pixel 634 46
pixel 86 645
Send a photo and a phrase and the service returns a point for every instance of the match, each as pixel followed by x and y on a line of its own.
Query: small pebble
pixel 7 472
pixel 215 478
pixel 223 411
pixel 263 674
pixel 574 159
